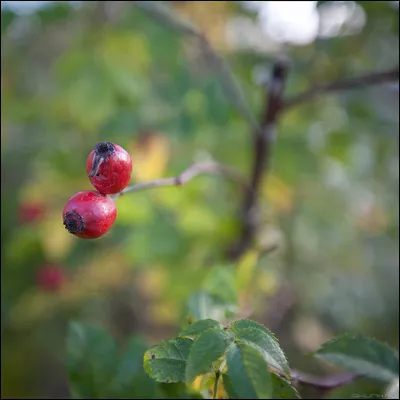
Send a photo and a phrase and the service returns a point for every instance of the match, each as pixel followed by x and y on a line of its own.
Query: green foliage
pixel 203 305
pixel 206 349
pixel 167 362
pixel 263 340
pixel 362 355
pixel 130 379
pixel 198 327
pixel 248 372
pixel 91 360
pixel 246 348
pixel 250 361
pixel 76 74
pixel 282 389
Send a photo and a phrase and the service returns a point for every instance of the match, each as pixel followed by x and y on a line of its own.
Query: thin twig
pixel 374 78
pixel 187 175
pixel 262 143
pixel 227 80
pixel 324 383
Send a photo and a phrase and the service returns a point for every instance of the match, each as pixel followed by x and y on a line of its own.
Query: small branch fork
pixel 262 148
pixel 262 139
pixel 374 78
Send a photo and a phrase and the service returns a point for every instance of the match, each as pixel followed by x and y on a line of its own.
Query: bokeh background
pixel 76 73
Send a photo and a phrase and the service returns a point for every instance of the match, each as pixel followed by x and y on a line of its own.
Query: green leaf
pixel 7 17
pixel 247 323
pixel 130 379
pixel 166 362
pixel 208 347
pixel 363 355
pixel 228 387
pixel 91 359
pixel 222 277
pixel 248 372
pixel 200 326
pixel 202 305
pixel 263 340
pixel 282 389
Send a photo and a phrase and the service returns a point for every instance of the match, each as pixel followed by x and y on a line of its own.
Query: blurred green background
pixel 76 73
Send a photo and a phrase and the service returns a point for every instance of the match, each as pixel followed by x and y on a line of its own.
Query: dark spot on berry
pixel 104 148
pixel 153 356
pixel 73 222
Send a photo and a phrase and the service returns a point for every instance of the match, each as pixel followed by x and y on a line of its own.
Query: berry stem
pixel 187 175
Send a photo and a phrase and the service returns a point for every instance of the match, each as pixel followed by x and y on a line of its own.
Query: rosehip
pixel 31 212
pixel 89 214
pixel 109 168
pixel 50 277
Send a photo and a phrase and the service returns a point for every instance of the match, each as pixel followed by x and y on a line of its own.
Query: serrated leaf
pixel 263 340
pixel 200 326
pixel 282 389
pixel 363 355
pixel 228 387
pixel 248 323
pixel 248 372
pixel 91 359
pixel 208 347
pixel 166 362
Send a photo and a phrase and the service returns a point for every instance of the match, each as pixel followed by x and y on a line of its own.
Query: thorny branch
pixel 262 146
pixel 374 78
pixel 187 175
pixel 262 137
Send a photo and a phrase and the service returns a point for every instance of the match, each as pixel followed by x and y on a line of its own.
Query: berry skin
pixel 89 214
pixel 109 168
pixel 50 277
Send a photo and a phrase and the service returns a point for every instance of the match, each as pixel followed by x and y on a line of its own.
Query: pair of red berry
pixel 90 214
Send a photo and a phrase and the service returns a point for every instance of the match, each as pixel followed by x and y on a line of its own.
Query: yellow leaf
pixel 56 241
pixel 150 155
pixel 210 16
pixel 164 312
pixel 267 282
pixel 126 50
pixel 278 193
pixel 152 281
pixel 245 269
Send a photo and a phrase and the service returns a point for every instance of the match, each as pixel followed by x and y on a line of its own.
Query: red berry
pixel 50 277
pixel 109 168
pixel 89 214
pixel 31 212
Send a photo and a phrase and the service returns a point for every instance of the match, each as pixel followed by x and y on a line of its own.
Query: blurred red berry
pixel 89 214
pixel 109 168
pixel 50 277
pixel 29 213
